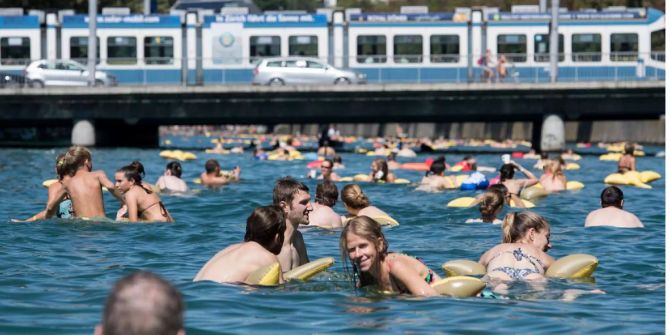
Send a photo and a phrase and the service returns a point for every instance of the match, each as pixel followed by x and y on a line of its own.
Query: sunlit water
pixel 56 274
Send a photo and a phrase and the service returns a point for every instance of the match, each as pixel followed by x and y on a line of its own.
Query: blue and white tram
pixel 231 44
pixel 20 42
pixel 137 49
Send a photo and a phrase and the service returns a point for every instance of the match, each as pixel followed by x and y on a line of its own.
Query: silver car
pixel 302 71
pixel 63 73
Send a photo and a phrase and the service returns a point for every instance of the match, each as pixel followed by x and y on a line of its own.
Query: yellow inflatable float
pixel 459 286
pixel 537 191
pixel 362 178
pixel 571 266
pixel 633 178
pixel 309 270
pixel 265 276
pixel 572 166
pixel 178 155
pixel 383 220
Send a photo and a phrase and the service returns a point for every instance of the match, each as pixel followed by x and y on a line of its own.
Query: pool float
pixel 518 154
pixel 48 182
pixel 534 192
pixel 472 186
pixel 167 142
pixel 633 178
pixel 383 220
pixel 178 155
pixel 610 157
pixel 572 166
pixel 571 266
pixel 459 286
pixel 459 180
pixel 373 153
pixel 309 270
pixel 217 151
pixel 265 276
pixel 314 164
pixel 417 166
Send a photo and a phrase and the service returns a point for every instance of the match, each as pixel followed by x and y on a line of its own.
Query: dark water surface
pixel 56 274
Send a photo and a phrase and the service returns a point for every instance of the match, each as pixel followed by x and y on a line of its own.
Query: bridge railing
pixel 433 68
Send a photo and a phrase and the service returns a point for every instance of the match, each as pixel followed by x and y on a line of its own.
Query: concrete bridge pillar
pixel 553 134
pixel 115 133
pixel 83 133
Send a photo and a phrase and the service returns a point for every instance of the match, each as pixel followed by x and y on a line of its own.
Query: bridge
pixel 130 116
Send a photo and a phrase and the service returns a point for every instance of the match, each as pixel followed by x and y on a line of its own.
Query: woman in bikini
pixel 515 186
pixel 364 244
pixel 142 203
pixel 522 253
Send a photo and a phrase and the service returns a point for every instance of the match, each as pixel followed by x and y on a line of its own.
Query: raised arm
pixel 532 180
pixel 105 182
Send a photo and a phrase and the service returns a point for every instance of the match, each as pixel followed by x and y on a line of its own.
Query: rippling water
pixel 56 274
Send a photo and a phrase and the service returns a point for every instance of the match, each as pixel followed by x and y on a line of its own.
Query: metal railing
pixel 433 68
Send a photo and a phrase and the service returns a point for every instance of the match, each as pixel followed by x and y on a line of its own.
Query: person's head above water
pixel 502 190
pixel 526 227
pixel 128 176
pixel 364 244
pixel 174 169
pixel 293 197
pixel 380 169
pixel 506 172
pixel 142 303
pixel 629 148
pixel 326 193
pixel 353 197
pixel 491 204
pixel 212 166
pixel 285 190
pixel 61 167
pixel 76 158
pixel 437 167
pixel 266 226
pixel 611 196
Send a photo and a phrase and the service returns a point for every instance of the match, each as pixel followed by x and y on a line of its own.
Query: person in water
pixel 142 203
pixel 357 203
pixel 379 172
pixel 490 205
pixel 515 186
pixel 142 303
pixel 435 181
pixel 522 253
pixel 82 185
pixel 362 242
pixel 553 179
pixel 65 210
pixel 612 213
pixel 292 197
pixel 327 171
pixel 263 241
pixel 627 161
pixel 171 179
pixel 213 176
pixel 323 214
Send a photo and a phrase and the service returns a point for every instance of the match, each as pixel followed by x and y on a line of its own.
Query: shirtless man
pixel 323 214
pixel 263 240
pixel 293 197
pixel 327 171
pixel 83 186
pixel 612 213
pixel 214 177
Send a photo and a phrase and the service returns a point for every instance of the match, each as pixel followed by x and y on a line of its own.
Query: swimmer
pixel 434 181
pixel 142 203
pixel 142 303
pixel 531 154
pixel 570 154
pixel 213 176
pixel 627 161
pixel 515 186
pixel 490 205
pixel 509 198
pixel 65 210
pixel 327 171
pixel 522 254
pixel 363 243
pixel 356 203
pixel 326 150
pixel 612 213
pixel 293 198
pixel 379 171
pixel 553 179
pixel 544 158
pixel 218 148
pixel 337 161
pixel 405 151
pixel 171 179
pixel 83 186
pixel 260 154
pixel 392 162
pixel 467 164
pixel 323 214
pixel 262 243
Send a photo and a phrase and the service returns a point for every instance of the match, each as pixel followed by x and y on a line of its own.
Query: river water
pixel 56 274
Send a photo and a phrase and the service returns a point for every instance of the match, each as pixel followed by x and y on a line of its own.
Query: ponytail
pixel 507 228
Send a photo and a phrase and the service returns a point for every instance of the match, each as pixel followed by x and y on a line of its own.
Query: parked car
pixel 9 80
pixel 63 73
pixel 301 70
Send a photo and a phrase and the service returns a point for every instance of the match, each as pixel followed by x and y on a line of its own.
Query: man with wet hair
pixel 293 197
pixel 612 213
pixel 213 176
pixel 323 214
pixel 142 303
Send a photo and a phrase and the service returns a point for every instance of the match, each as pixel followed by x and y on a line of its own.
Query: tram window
pixel 79 49
pixel 623 47
pixel 513 47
pixel 407 48
pixel 542 48
pixel 444 49
pixel 158 50
pixel 303 46
pixel 14 50
pixel 121 50
pixel 586 48
pixel 658 45
pixel 371 49
pixel 263 46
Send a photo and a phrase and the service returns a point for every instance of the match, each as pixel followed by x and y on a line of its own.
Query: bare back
pixel 144 204
pixel 235 263
pixel 324 217
pixel 613 217
pixel 553 183
pixel 515 261
pixel 85 190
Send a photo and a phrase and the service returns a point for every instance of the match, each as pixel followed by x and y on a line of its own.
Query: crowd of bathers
pixel 272 232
